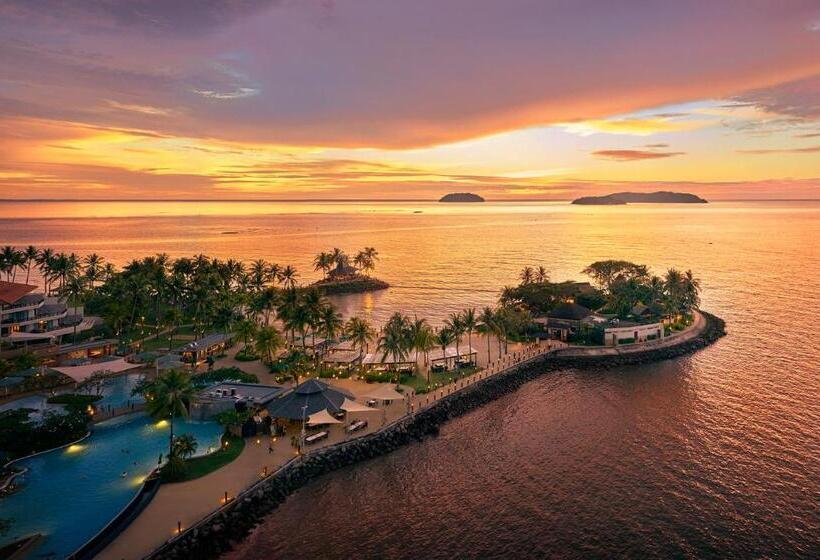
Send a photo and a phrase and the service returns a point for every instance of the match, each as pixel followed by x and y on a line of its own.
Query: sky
pixel 388 99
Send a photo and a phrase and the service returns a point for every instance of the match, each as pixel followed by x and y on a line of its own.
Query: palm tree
pixel 330 322
pixel 246 330
pixel 444 337
pixel 324 262
pixel 487 326
pixel 170 395
pixel 93 268
pixel 288 277
pixel 470 323
pixel 456 325
pixel 172 318
pixel 541 275
pixel 361 334
pixel 268 342
pixel 30 258
pixel 44 263
pixel 185 446
pixel 527 275
pixel 396 339
pixel 260 274
pixel 424 340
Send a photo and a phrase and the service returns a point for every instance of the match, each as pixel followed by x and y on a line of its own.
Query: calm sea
pixel 713 455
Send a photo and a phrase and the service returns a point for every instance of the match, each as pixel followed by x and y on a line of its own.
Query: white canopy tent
pixel 353 406
pixel 82 372
pixel 385 393
pixel 322 417
pixel 450 353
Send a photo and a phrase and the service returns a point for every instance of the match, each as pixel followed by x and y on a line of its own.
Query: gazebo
pixel 306 399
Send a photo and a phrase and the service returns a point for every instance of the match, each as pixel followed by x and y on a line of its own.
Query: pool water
pixel 69 494
pixel 116 393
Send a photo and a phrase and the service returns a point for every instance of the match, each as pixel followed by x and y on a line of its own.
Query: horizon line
pixel 5 200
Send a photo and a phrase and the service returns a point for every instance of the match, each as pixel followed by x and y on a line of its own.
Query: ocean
pixel 713 455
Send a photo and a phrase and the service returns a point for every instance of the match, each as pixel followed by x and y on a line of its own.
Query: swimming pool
pixel 69 494
pixel 116 393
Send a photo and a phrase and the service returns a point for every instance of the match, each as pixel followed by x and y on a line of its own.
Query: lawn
pixel 197 467
pixel 437 379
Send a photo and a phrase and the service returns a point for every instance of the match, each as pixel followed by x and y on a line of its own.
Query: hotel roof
pixel 11 292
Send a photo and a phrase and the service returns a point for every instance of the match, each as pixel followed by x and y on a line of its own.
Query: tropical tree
pixel 30 255
pixel 487 326
pixel 268 341
pixel 527 274
pixel 444 337
pixel 185 446
pixel 288 277
pixel 455 324
pixel 470 323
pixel 361 334
pixel 396 339
pixel 172 319
pixel 330 322
pixel 541 275
pixel 169 396
pixel 246 330
pixel 324 262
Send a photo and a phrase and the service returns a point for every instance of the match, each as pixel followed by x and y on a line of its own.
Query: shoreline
pixel 213 535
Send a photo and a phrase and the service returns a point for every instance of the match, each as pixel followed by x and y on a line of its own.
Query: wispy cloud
pixel 634 155
pixel 765 151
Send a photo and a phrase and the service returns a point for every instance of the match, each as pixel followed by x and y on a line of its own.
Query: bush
pixel 20 436
pixel 626 341
pixel 74 400
pixel 224 374
pixel 246 357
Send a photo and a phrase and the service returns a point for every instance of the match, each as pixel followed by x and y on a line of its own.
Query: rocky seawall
pixel 215 535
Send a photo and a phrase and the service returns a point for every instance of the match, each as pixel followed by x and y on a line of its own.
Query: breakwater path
pixel 214 534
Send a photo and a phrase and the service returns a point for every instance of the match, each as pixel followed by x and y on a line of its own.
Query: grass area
pixel 197 467
pixel 74 399
pixel 437 379
pixel 160 343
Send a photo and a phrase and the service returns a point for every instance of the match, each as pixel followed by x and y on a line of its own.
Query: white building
pixel 26 316
pixel 626 332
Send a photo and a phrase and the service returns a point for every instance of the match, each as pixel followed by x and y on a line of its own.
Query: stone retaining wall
pixel 213 536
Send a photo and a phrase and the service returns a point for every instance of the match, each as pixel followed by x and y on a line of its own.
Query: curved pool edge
pixel 43 452
pixel 121 521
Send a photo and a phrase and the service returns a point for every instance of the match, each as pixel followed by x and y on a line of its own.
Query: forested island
pixel 461 197
pixel 661 197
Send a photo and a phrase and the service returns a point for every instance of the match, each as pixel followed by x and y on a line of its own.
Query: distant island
pixel 628 197
pixel 461 197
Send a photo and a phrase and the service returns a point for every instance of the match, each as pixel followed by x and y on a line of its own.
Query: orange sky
pixel 368 99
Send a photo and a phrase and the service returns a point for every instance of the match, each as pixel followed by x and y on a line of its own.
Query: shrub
pixel 626 341
pixel 246 357
pixel 73 400
pixel 224 374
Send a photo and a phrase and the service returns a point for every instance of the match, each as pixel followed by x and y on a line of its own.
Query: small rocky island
pixel 461 197
pixel 659 197
pixel 346 275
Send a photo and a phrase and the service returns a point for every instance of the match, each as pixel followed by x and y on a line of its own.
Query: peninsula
pixel 461 197
pixel 659 197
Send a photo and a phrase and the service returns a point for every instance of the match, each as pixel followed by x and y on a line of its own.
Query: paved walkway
pixel 188 502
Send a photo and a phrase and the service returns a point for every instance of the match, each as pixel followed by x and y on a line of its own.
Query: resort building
pixel 197 351
pixel 232 396
pixel 627 332
pixel 27 316
pixel 566 319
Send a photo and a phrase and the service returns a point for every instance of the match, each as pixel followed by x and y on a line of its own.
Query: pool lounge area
pixel 69 494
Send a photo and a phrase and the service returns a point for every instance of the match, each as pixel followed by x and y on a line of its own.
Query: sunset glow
pixel 335 100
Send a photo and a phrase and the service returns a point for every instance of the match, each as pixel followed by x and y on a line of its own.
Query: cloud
pixel 765 151
pixel 388 74
pixel 633 155
pixel 799 99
